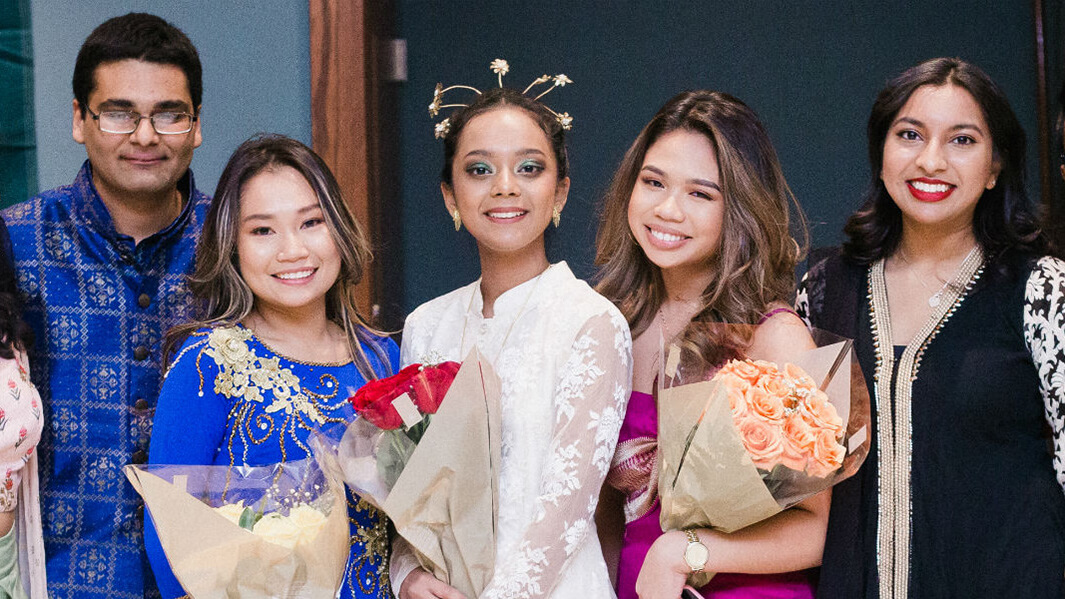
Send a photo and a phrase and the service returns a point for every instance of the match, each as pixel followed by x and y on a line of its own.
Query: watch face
pixel 696 555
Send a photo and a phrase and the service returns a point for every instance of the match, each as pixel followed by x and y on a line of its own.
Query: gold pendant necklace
pixel 937 297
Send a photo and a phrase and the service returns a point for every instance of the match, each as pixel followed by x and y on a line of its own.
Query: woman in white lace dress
pixel 562 351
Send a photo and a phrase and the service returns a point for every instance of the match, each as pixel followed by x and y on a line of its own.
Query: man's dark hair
pixel 137 36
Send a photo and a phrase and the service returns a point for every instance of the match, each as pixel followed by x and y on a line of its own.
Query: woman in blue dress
pixel 280 345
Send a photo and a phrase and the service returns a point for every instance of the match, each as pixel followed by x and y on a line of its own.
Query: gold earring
pixel 993 182
pixel 457 218
pixel 556 216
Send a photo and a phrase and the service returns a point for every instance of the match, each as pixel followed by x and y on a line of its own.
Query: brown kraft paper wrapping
pixel 718 486
pixel 448 514
pixel 214 558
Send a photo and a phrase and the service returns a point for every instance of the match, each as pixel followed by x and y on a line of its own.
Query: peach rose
pixel 793 457
pixel 762 442
pixel 732 380
pixel 820 414
pixel 766 406
pixel 737 403
pixel 827 455
pixel 745 369
pixel 765 367
pixel 774 384
pixel 799 433
pixel 799 377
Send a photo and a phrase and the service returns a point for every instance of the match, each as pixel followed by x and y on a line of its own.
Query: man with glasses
pixel 102 264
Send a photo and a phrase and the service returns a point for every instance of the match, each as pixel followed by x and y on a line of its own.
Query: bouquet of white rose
pixel 250 532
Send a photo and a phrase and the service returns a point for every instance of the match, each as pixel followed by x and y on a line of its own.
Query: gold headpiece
pixel 500 68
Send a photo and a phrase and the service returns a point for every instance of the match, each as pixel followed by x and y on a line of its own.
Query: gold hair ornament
pixel 500 68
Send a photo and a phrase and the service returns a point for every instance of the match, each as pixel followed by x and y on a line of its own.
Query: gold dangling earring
pixel 457 218
pixel 556 216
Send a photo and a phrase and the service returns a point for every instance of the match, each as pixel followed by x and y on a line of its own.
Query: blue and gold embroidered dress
pixel 98 304
pixel 228 399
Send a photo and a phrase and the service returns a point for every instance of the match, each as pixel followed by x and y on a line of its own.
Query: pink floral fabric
pixel 21 422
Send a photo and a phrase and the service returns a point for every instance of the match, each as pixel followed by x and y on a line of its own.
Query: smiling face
pixel 677 207
pixel 143 163
pixel 505 182
pixel 939 158
pixel 286 252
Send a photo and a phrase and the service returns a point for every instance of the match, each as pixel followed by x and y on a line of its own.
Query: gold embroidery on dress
pixel 255 419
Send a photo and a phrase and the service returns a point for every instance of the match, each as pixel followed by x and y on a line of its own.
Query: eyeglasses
pixel 127 121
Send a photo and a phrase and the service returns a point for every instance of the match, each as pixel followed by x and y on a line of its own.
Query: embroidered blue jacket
pixel 99 305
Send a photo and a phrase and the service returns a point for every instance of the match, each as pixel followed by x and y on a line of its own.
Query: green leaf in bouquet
pixel 394 455
pixel 416 432
pixel 248 518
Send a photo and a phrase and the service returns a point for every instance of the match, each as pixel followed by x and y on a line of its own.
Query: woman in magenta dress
pixel 696 231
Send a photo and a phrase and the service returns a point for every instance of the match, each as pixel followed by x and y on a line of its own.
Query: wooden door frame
pixel 345 42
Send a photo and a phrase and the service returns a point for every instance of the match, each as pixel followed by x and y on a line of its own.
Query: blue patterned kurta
pixel 99 306
pixel 228 399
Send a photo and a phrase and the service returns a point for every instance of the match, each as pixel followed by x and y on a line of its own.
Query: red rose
pixel 426 385
pixel 431 385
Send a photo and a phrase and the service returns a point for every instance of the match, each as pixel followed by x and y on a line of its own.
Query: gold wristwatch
pixel 695 554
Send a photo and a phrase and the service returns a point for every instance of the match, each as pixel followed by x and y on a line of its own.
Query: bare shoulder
pixel 781 336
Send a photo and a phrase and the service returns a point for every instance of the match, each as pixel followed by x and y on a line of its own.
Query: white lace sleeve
pixel 1044 332
pixel 402 562
pixel 589 402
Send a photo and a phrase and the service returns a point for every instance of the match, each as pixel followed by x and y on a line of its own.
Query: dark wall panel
pixel 18 160
pixel 810 69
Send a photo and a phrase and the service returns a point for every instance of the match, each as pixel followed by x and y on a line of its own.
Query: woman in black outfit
pixel 958 314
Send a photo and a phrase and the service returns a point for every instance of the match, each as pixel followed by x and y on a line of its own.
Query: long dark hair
pixel 14 333
pixel 1003 218
pixel 755 264
pixel 225 298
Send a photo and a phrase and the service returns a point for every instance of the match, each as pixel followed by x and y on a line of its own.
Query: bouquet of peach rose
pixel 743 440
pixel 250 531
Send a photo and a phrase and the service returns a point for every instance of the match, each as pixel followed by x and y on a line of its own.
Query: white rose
pixel 277 529
pixel 231 511
pixel 308 520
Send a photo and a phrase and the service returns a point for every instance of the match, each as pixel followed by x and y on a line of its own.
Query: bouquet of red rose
pixel 402 406
pixel 425 450
pixel 743 440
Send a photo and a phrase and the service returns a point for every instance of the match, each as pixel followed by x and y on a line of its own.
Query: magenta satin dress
pixel 641 425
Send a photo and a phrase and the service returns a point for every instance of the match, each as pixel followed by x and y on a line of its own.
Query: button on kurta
pixel 141 404
pixel 139 457
pixel 140 353
pixel 144 300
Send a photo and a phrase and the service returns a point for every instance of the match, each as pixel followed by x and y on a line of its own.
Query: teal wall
pixel 256 71
pixel 811 69
pixel 18 163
